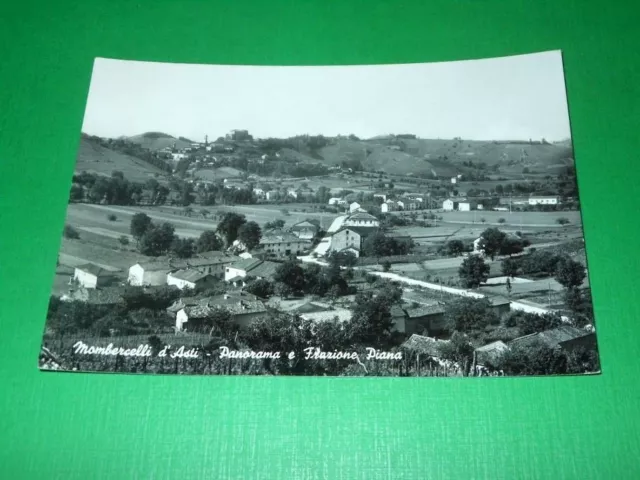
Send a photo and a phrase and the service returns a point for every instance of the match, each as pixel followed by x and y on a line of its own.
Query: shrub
pixel 562 221
pixel 501 220
pixel 124 240
pixel 70 232
pixel 111 217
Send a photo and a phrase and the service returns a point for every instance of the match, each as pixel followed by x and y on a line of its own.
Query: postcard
pixel 418 220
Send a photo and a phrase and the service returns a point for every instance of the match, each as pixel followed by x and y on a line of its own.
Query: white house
pixel 449 205
pixel 259 192
pixel 253 267
pixel 92 276
pixel 388 206
pixel 190 278
pixel 148 273
pixel 400 205
pixel 454 180
pixel 354 206
pixel 335 201
pixel 544 200
pixel 272 195
pixel 292 193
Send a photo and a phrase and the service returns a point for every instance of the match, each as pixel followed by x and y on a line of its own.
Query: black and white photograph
pixel 409 220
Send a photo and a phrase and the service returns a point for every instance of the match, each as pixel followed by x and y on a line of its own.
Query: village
pixel 312 249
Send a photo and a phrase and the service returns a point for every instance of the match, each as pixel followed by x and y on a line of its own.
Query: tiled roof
pixel 95 270
pixel 189 275
pixel 424 310
pixel 247 264
pixel 553 337
pixel 361 216
pixel 424 345
pixel 264 270
pixel 236 307
pixel 281 238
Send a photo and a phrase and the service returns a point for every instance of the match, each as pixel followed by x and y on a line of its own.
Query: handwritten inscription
pixel 310 353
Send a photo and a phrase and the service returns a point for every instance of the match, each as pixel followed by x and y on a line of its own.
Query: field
pixel 533 219
pixel 94 158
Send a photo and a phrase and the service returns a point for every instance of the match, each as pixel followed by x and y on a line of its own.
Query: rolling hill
pixel 94 158
pixel 155 141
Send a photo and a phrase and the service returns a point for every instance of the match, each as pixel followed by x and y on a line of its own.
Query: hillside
pixel 155 141
pixel 94 158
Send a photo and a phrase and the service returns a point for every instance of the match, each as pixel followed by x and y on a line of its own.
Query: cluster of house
pixel 293 193
pixel 348 232
pixel 408 201
pixel 465 205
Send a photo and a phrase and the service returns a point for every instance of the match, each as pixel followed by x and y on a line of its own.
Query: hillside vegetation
pixel 95 158
pixel 157 141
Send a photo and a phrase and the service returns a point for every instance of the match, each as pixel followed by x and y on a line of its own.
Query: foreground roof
pixel 95 270
pixel 425 345
pixel 189 275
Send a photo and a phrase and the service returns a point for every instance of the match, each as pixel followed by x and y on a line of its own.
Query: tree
pixel 140 223
pixel 473 271
pixel 124 240
pixel 76 194
pixel 261 288
pixel 274 225
pixel 111 217
pixel 70 232
pixel 501 220
pixel 510 267
pixel 208 241
pixel 371 323
pixel 455 247
pixel 528 323
pixel 533 358
pixel 250 234
pixel 183 247
pixel 386 266
pixel 492 240
pixel 563 221
pixel 512 246
pixel 291 274
pixel 157 240
pixel 343 259
pixel 458 350
pixel 229 225
pixel 469 315
pixel 570 273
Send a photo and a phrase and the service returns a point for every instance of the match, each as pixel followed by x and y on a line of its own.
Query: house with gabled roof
pixel 305 230
pixel 190 278
pixel 421 318
pixel 253 267
pixel 284 244
pixel 244 309
pixel 566 337
pixel 490 353
pixel 361 219
pixel 90 275
pixel 350 238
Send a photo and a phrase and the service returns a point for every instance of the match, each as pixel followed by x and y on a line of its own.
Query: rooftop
pixel 247 264
pixel 361 216
pixel 424 310
pixel 362 231
pixel 191 275
pixel 280 238
pixel 95 270
pixel 97 296
pixel 553 337
pixel 498 301
pixel 341 314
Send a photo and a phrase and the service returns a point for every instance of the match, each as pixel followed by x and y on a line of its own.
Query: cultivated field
pixel 541 219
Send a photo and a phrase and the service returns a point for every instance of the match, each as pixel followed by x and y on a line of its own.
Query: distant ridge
pixel 158 140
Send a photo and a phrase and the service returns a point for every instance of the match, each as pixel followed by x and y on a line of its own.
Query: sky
pixel 509 98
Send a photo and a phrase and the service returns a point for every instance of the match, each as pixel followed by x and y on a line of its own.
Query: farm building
pixel 190 278
pixel 92 276
pixel 422 345
pixel 212 262
pixel 566 337
pixel 421 318
pixel 349 238
pixel 467 205
pixel 284 244
pixel 449 205
pixel 243 311
pixel 361 219
pixel 337 201
pixel 151 273
pixel 544 200
pixel 354 207
pixel 500 305
pixel 253 267
pixel 305 230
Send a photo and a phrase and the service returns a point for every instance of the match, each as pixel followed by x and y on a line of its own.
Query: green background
pixel 117 426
